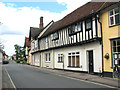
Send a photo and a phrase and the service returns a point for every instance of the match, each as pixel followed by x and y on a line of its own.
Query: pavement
pixel 6 82
pixel 83 76
pixel 26 76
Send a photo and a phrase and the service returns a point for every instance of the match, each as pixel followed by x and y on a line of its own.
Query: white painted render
pixel 96 47
pixel 36 59
pixel 44 63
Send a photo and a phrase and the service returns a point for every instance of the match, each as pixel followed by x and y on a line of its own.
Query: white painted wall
pixel 43 59
pixel 96 47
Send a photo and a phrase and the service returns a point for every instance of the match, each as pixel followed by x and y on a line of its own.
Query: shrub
pixel 17 61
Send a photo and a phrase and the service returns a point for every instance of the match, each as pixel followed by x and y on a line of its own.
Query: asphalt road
pixel 26 77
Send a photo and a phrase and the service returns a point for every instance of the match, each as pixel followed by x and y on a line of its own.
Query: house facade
pixel 110 19
pixel 76 42
pixel 27 50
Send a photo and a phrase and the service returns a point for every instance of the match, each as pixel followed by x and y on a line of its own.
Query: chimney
pixel 41 22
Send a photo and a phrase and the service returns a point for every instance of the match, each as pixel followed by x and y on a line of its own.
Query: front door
pixel 90 60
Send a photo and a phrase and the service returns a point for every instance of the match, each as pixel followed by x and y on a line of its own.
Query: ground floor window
pixel 74 59
pixel 60 58
pixel 116 51
pixel 47 57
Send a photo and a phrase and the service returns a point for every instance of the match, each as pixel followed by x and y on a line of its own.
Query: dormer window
pixel 88 24
pixel 114 17
pixel 54 36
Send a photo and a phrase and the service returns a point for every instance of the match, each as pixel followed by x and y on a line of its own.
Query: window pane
pixel 77 61
pixel 55 35
pixel 69 60
pixel 117 19
pixel 118 48
pixel 118 42
pixel 114 49
pixel 76 29
pixel 73 29
pixel 79 27
pixel 73 53
pixel 111 12
pixel 58 59
pixel 114 43
pixel 77 52
pixel 73 61
pixel 70 30
pixel 88 24
pixel 111 20
pixel 119 62
pixel 116 10
pixel 69 53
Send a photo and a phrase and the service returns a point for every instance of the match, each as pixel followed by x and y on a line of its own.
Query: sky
pixel 18 16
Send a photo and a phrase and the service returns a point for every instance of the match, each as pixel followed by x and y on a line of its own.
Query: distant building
pixel 27 46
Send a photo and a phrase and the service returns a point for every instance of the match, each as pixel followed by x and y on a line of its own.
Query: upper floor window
pixel 36 44
pixel 54 36
pixel 75 28
pixel 46 39
pixel 88 24
pixel 114 17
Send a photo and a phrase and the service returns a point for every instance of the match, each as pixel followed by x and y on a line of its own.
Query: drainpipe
pixel 101 43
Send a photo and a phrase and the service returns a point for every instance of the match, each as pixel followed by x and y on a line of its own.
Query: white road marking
pixel 10 79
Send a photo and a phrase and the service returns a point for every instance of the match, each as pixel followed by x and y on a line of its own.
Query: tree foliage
pixel 20 52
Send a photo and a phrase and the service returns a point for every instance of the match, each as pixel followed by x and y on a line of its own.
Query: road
pixel 27 77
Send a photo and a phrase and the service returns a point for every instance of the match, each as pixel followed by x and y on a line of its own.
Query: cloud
pixel 17 21
pixel 10 40
pixel 71 5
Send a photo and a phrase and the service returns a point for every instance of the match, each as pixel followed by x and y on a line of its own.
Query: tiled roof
pixel 34 32
pixel 27 42
pixel 49 30
pixel 78 14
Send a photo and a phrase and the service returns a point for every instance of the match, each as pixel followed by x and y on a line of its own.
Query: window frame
pixel 53 36
pixel 87 29
pixel 61 58
pixel 72 29
pixel 71 55
pixel 114 19
pixel 115 52
pixel 47 57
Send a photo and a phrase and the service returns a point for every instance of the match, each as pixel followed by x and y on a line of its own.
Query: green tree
pixel 20 52
pixel 17 51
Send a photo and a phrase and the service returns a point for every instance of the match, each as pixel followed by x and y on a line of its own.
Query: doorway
pixel 90 62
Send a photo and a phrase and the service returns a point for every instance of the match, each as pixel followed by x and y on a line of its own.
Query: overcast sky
pixel 18 17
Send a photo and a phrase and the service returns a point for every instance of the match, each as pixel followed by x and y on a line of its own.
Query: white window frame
pixel 75 59
pixel 36 43
pixel 47 59
pixel 61 58
pixel 113 16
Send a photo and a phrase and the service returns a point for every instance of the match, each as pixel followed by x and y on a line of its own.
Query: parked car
pixel 5 61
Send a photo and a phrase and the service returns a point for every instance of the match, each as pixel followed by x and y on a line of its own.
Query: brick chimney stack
pixel 41 22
